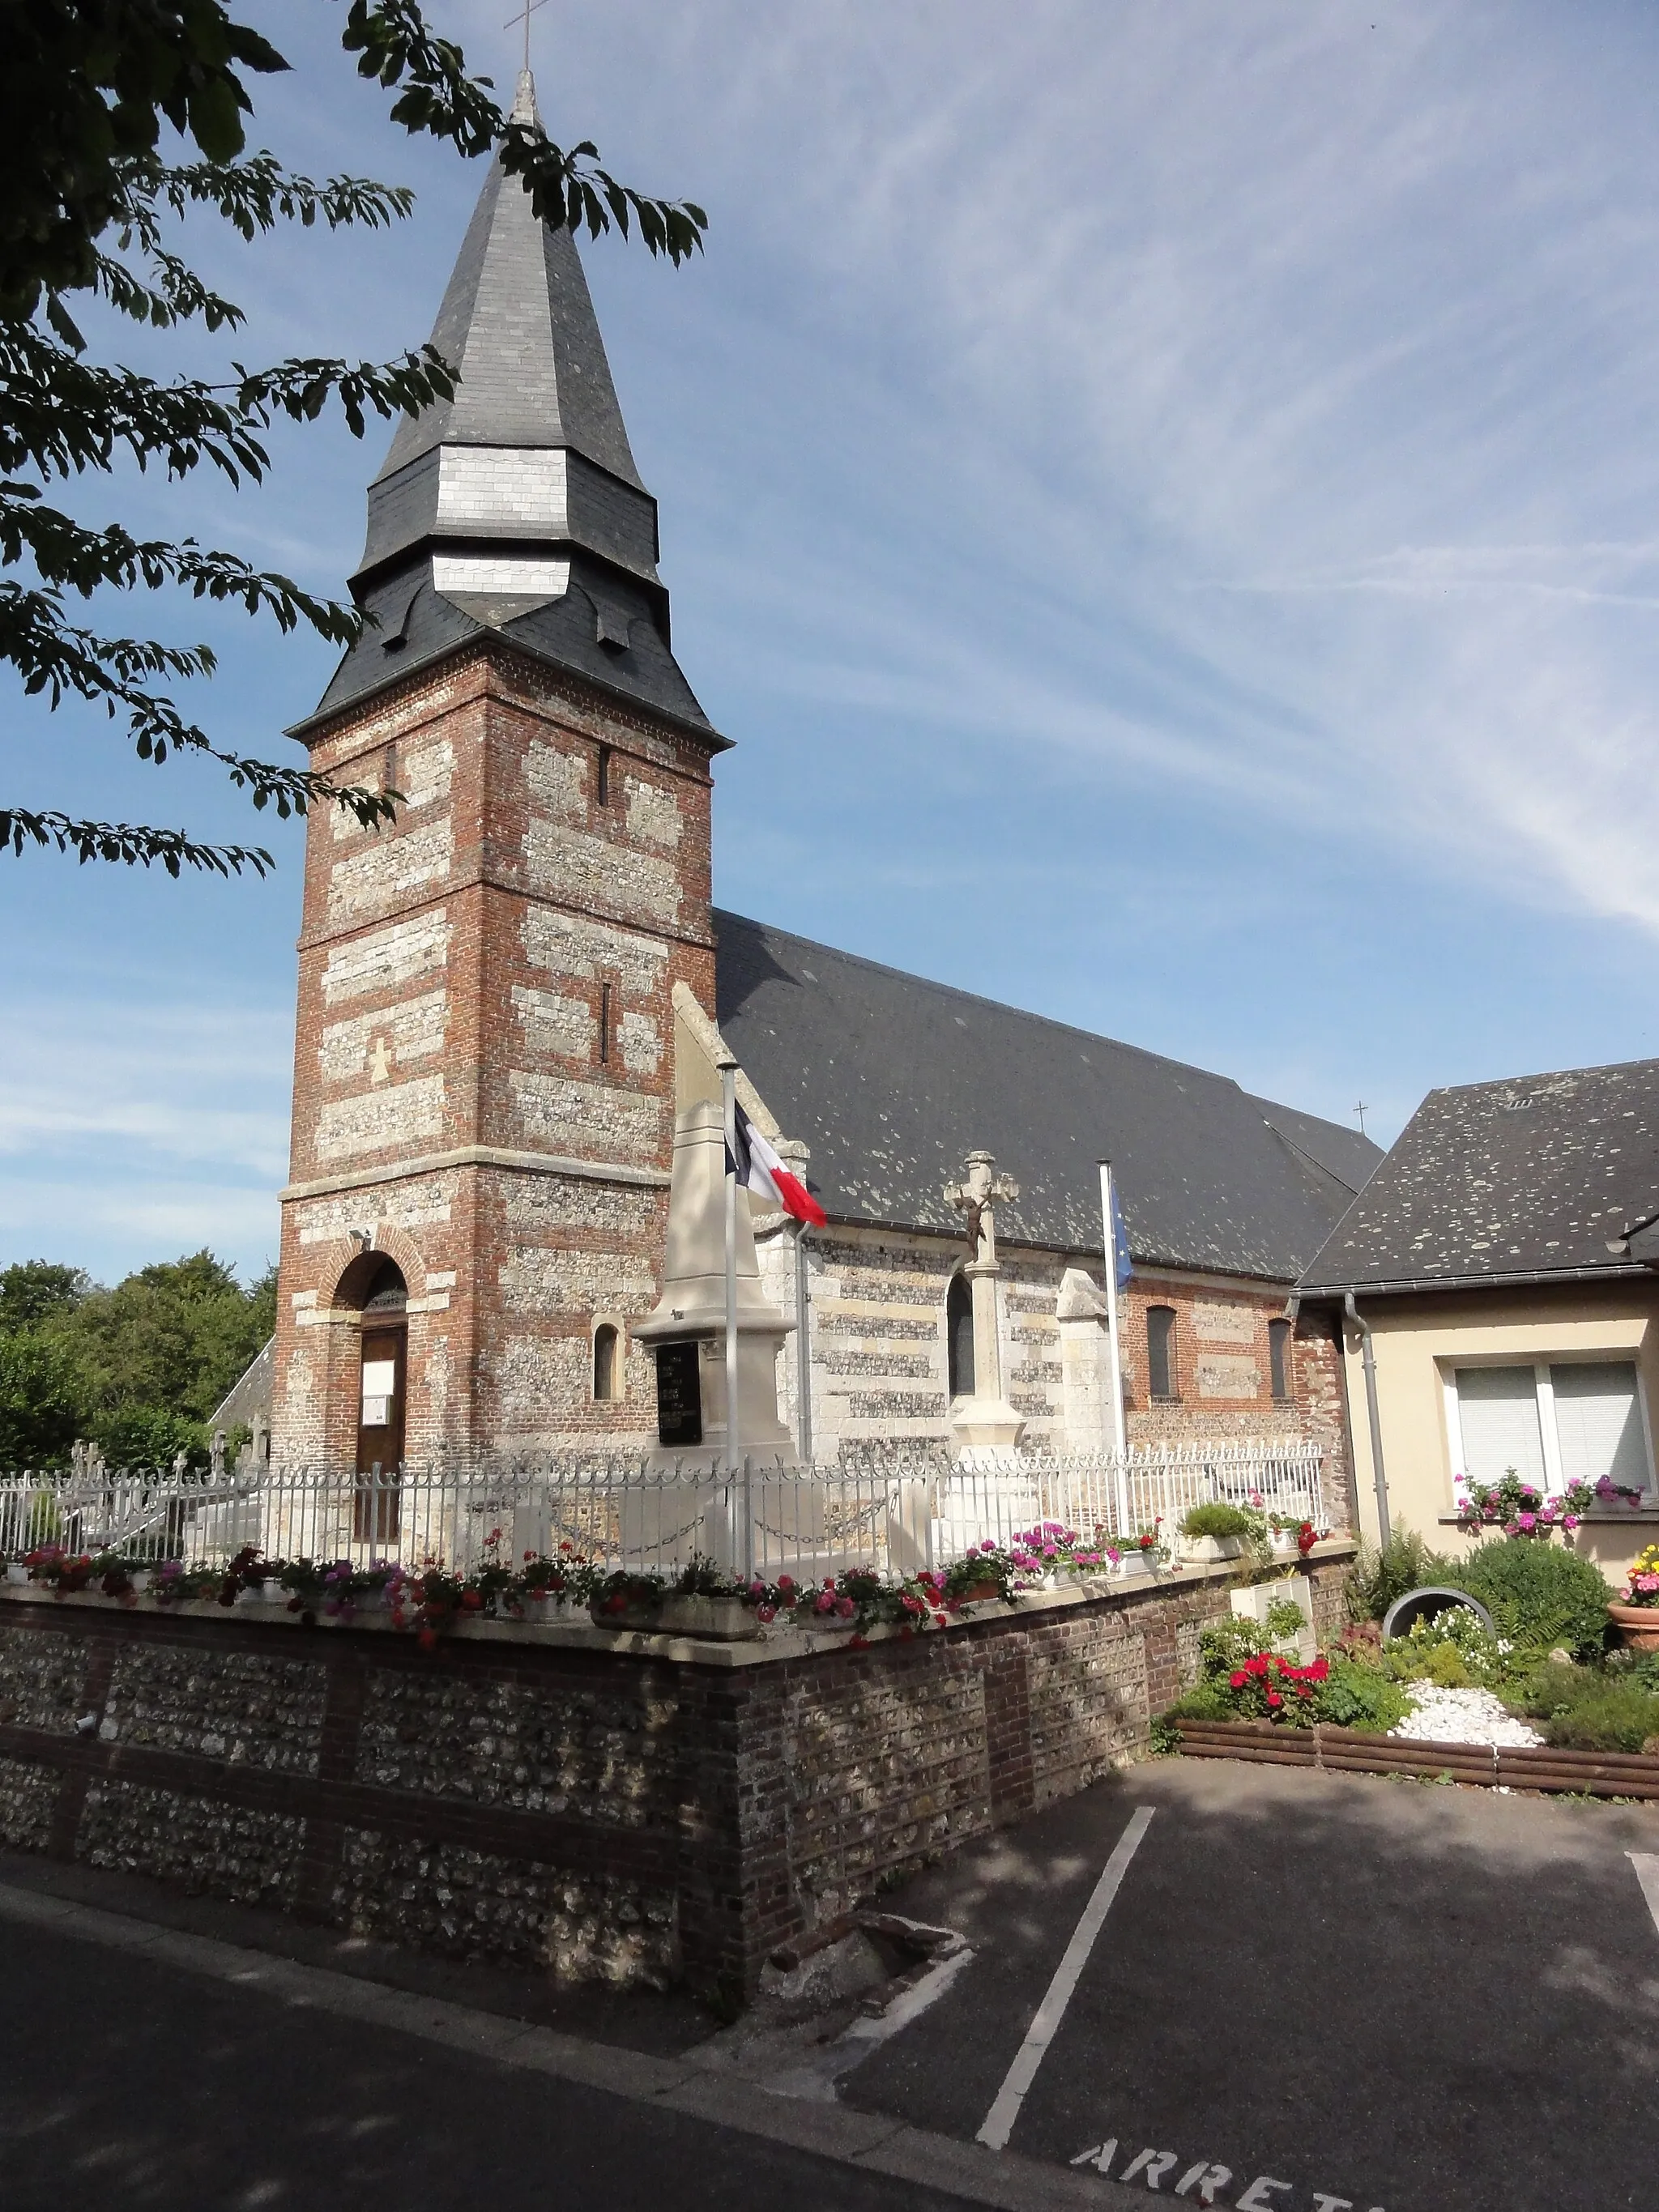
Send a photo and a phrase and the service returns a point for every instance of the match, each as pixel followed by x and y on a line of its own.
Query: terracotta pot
pixel 979 1594
pixel 1637 1626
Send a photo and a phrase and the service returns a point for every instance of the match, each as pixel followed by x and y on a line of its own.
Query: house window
pixel 959 1335
pixel 1553 1423
pixel 1279 1357
pixel 1160 1351
pixel 607 1363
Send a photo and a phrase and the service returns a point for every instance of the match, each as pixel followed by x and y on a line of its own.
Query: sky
pixel 1165 499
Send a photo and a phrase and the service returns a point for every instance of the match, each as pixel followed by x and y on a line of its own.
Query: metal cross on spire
pixel 1362 1109
pixel 524 16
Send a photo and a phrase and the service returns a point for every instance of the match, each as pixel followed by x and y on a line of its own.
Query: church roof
pixel 1538 1176
pixel 516 506
pixel 891 1081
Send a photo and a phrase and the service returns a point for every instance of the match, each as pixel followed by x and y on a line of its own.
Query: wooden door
pixel 376 1514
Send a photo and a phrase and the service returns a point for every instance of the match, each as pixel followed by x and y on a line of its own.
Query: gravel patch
pixel 1440 1715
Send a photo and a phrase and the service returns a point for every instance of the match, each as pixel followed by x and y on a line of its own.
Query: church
pixel 510 998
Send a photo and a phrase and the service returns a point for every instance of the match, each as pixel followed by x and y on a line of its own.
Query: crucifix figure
pixel 524 16
pixel 975 1199
pixel 380 1062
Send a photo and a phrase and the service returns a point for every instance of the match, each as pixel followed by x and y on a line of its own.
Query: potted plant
pixel 1141 1554
pixel 984 1575
pixel 1635 1611
pixel 1214 1531
pixel 702 1602
pixel 625 1600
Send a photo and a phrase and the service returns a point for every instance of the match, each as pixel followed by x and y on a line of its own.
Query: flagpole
pixel 729 1102
pixel 1109 1219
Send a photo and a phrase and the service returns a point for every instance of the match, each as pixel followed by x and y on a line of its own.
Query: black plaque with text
pixel 679 1395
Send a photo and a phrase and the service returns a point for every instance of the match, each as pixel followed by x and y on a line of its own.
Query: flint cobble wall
pixel 635 1813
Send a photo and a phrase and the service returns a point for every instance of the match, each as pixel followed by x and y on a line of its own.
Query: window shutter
pixel 1498 1412
pixel 1599 1422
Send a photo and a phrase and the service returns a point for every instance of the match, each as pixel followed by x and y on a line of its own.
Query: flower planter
pixel 1136 1566
pixel 1284 1542
pixel 976 1594
pixel 727 1619
pixel 251 1594
pixel 641 1619
pixel 270 1590
pixel 16 1572
pixel 1210 1550
pixel 1637 1626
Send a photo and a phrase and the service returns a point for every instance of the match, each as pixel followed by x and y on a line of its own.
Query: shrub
pixel 1216 1519
pixel 1584 1710
pixel 1378 1577
pixel 1355 1695
pixel 1539 1597
pixel 1454 1649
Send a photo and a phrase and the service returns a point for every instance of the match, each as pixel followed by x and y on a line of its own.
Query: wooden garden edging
pixel 1354 1751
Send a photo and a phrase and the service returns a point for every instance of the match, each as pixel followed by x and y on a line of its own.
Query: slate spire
pixel 516 505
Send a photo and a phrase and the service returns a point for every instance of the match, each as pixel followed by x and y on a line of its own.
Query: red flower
pixel 471 1600
pixel 1273 1697
pixel 766 1613
pixel 1237 1679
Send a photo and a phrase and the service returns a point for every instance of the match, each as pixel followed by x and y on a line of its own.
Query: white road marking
pixel 999 2120
pixel 1647 1873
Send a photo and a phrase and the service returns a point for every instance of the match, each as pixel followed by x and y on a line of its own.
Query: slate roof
pixel 1492 1181
pixel 891 1081
pixel 516 506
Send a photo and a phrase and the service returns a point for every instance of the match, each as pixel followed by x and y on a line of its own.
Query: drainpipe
pixel 1364 1327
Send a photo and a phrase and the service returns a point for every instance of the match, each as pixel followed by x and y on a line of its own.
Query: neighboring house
pixel 1501 1262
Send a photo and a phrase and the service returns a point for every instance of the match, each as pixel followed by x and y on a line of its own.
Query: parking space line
pixel 999 2120
pixel 1647 1873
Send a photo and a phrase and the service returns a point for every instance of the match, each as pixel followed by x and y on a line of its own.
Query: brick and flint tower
pixel 483 1071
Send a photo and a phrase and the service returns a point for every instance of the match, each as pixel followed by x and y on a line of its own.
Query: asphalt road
pixel 1413 1997
pixel 125 2084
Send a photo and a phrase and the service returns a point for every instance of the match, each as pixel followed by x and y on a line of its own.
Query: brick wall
pixel 546 1797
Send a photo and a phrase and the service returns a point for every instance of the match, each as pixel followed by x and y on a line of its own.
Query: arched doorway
pixel 959 1335
pixel 383 1362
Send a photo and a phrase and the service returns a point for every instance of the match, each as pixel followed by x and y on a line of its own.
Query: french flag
pixel 759 1170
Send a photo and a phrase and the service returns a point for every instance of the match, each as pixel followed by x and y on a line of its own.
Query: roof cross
pixel 1360 1109
pixel 524 16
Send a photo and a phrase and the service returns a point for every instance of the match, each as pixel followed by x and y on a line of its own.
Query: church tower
pixel 484 1103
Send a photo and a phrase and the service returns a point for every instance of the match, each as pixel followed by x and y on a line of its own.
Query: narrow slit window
pixel 1160 1351
pixel 607 1363
pixel 605 1021
pixel 602 777
pixel 1279 1357
pixel 959 1336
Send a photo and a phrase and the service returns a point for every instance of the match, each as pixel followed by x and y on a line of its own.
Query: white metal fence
pixel 894 1508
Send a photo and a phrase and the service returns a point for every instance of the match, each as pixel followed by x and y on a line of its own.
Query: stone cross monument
pixel 986 1418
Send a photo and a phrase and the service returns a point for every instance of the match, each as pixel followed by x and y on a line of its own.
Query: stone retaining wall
pixel 634 1808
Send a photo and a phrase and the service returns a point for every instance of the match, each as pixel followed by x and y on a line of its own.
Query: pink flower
pixel 845 1607
pixel 766 1613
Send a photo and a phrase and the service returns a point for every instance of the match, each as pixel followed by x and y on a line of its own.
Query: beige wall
pixel 1418 1340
